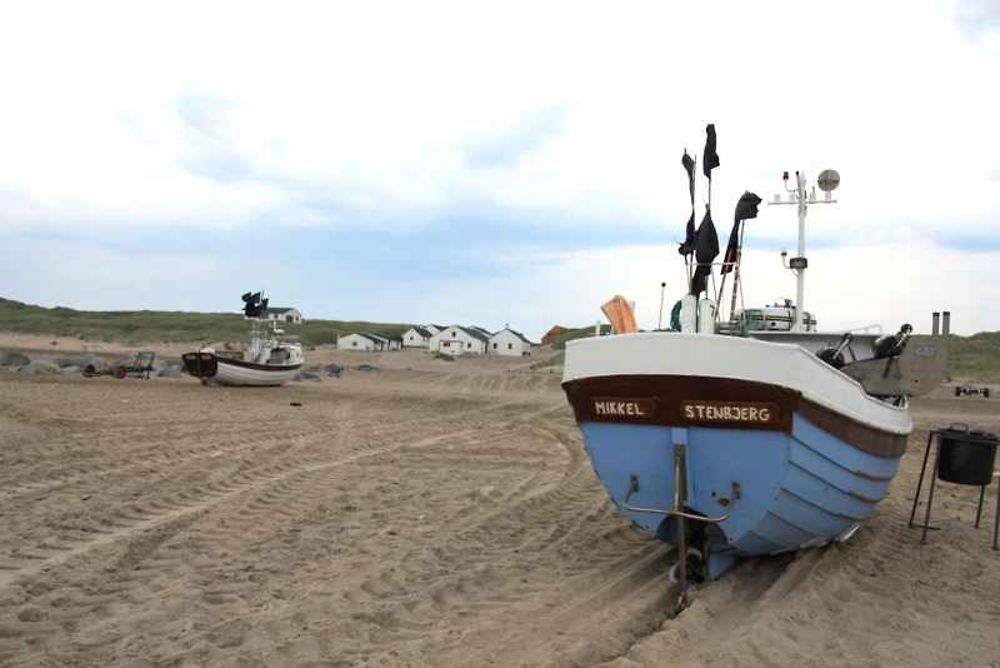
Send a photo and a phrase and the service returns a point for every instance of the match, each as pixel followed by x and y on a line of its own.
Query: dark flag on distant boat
pixel 710 159
pixel 745 208
pixel 706 248
pixel 253 306
pixel 687 247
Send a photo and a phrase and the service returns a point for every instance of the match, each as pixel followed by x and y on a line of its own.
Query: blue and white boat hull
pixel 788 450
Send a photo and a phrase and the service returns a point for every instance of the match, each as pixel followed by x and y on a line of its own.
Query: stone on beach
pixel 14 359
pixel 37 367
pixel 80 361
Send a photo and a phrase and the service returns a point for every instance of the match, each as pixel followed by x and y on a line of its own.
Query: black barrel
pixel 966 457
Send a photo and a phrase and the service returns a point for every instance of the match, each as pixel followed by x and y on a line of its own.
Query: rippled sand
pixel 431 513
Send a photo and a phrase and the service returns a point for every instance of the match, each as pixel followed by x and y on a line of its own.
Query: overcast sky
pixel 494 163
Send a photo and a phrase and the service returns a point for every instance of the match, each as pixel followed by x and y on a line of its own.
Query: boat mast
pixel 800 274
pixel 828 181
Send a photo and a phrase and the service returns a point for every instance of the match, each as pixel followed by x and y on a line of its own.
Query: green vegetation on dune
pixel 132 327
pixel 558 359
pixel 976 358
pixel 559 341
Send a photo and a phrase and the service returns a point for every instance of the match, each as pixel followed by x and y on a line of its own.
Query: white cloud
pixel 377 105
pixel 119 117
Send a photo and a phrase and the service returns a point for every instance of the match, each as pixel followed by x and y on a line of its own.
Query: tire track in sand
pixel 192 508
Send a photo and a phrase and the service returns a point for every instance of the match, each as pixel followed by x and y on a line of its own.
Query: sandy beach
pixel 430 513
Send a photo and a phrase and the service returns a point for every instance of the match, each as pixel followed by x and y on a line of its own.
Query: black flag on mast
pixel 687 247
pixel 706 245
pixel 706 248
pixel 710 159
pixel 745 208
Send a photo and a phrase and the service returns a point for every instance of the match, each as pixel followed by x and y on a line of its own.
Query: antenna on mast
pixel 828 181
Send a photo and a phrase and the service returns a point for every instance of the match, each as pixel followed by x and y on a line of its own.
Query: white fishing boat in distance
pixel 267 362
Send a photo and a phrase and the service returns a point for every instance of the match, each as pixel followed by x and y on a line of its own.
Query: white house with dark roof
pixel 386 343
pixel 418 337
pixel 458 340
pixel 510 342
pixel 360 342
pixel 285 314
pixel 482 330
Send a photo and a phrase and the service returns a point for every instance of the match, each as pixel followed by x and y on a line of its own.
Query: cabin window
pixel 454 334
pixel 354 343
pixel 510 346
pixel 468 345
pixel 494 346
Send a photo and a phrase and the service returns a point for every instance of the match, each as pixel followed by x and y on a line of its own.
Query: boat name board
pixel 624 409
pixel 731 412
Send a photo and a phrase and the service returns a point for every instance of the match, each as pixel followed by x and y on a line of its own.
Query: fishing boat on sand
pixel 267 360
pixel 735 438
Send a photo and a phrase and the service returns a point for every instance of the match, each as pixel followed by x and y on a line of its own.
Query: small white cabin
pixel 458 340
pixel 417 337
pixel 385 343
pixel 360 342
pixel 510 342
pixel 286 314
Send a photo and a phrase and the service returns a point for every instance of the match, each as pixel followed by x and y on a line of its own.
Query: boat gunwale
pixel 669 391
pixel 714 342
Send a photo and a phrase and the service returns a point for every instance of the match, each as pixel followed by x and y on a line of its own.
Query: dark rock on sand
pixel 14 359
pixel 79 361
pixel 39 367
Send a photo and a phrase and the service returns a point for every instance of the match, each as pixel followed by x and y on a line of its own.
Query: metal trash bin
pixel 966 457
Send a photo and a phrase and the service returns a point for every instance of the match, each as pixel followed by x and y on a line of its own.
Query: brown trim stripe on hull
pixel 725 403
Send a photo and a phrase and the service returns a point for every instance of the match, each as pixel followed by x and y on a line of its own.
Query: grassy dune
pixel 976 358
pixel 139 326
